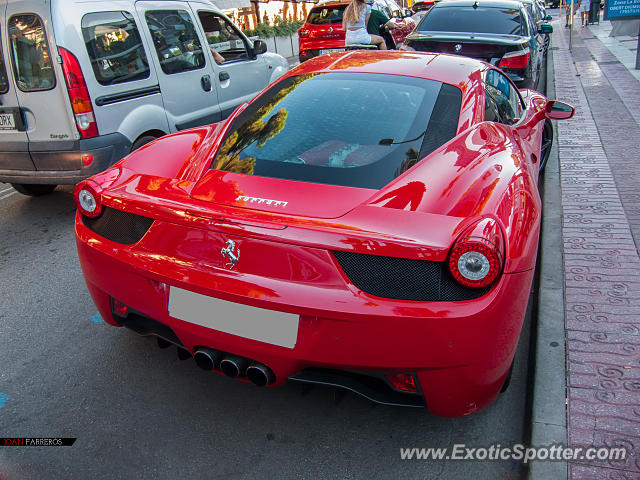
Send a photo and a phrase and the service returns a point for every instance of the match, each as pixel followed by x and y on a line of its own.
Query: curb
pixel 549 410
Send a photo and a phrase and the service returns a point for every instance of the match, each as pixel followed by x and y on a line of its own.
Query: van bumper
pixel 60 163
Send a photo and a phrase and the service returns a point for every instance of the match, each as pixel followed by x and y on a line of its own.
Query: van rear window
pixel 30 52
pixel 4 83
pixel 115 47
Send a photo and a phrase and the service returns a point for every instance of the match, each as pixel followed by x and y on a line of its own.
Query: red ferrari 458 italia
pixel 370 221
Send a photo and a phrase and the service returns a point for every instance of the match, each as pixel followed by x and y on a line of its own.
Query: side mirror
pixel 408 13
pixel 548 18
pixel 546 28
pixel 259 47
pixel 557 110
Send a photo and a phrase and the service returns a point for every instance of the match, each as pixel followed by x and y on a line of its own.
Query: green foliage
pixel 281 28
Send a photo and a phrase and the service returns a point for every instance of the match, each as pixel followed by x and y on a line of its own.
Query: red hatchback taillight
pixel 476 259
pixel 78 95
pixel 303 32
pixel 517 59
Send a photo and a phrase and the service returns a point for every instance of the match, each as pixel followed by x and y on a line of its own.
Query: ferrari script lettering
pixel 266 201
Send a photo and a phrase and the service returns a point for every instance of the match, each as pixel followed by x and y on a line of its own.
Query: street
pixel 139 412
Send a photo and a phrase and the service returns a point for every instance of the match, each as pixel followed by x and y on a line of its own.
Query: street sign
pixel 621 9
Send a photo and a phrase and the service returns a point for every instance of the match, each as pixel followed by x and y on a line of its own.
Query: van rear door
pixel 14 153
pixel 39 85
pixel 184 71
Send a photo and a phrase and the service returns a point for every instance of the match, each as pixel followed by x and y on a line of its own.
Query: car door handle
pixel 223 76
pixel 205 81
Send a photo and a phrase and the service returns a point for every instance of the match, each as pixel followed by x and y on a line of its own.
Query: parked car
pixel 499 32
pixel 370 221
pixel 82 84
pixel 421 8
pixel 322 31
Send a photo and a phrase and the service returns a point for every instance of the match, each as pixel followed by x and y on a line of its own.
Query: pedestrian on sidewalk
pixel 584 6
pixel 568 5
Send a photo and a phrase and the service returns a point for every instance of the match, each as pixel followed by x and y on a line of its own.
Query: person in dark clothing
pixel 376 26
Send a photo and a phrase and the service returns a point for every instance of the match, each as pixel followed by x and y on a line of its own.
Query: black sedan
pixel 499 32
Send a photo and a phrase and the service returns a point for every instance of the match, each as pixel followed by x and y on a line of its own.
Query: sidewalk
pixel 599 156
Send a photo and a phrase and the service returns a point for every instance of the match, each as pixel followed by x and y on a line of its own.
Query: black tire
pixel 507 381
pixel 33 189
pixel 142 141
pixel 545 149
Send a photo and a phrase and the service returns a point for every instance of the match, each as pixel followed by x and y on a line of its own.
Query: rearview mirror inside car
pixel 557 110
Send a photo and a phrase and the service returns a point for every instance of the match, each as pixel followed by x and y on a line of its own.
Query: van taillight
pixel 78 95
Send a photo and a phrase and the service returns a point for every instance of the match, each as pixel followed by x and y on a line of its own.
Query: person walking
pixel 584 6
pixel 354 22
pixel 570 7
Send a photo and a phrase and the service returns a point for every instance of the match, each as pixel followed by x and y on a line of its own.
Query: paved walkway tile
pixel 600 182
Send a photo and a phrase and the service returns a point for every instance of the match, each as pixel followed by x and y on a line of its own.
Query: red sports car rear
pixel 358 224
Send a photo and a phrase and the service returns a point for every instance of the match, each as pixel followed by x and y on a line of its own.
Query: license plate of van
pixel 331 50
pixel 7 121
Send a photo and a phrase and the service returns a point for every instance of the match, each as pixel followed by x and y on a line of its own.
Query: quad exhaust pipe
pixel 234 366
pixel 260 374
pixel 207 358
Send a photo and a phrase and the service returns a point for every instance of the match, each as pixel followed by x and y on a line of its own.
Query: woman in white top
pixel 354 22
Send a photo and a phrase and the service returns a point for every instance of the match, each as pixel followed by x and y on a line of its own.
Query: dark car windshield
pixel 326 15
pixel 505 21
pixel 351 129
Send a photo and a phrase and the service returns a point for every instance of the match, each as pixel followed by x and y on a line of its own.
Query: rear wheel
pixel 545 149
pixel 507 381
pixel 33 189
pixel 142 141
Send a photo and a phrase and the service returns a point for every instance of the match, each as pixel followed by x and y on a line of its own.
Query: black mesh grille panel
pixel 118 226
pixel 403 278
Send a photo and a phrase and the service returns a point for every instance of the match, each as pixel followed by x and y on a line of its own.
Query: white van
pixel 83 83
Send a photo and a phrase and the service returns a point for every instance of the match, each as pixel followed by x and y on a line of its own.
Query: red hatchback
pixel 370 221
pixel 323 33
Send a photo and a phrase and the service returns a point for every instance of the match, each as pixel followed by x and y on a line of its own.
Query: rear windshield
pixel 351 129
pixel 30 52
pixel 115 47
pixel 4 83
pixel 325 15
pixel 505 21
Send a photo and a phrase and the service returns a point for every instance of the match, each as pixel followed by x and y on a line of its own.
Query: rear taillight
pixel 403 382
pixel 518 59
pixel 303 32
pixel 78 95
pixel 476 259
pixel 87 194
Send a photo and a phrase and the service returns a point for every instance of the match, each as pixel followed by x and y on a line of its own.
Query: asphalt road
pixel 139 412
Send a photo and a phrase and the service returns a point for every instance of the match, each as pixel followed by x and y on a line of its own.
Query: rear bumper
pixel 459 352
pixel 61 165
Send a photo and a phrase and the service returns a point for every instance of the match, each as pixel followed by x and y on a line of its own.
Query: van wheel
pixel 33 189
pixel 142 141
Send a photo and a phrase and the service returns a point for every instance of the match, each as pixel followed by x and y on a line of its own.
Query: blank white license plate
pixel 7 121
pixel 331 50
pixel 268 326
